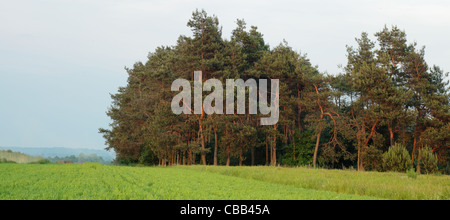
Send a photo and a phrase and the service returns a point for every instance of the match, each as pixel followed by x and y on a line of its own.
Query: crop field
pixel 392 186
pixel 95 182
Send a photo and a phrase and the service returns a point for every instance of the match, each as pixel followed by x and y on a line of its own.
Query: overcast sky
pixel 60 59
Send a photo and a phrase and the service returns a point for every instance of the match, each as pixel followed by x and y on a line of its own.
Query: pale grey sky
pixel 60 59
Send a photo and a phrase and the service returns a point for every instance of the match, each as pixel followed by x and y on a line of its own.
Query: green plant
pixel 373 159
pixel 427 161
pixel 81 182
pixel 412 173
pixel 397 159
pixel 43 161
pixel 395 186
pixel 303 152
pixel 92 165
pixel 148 157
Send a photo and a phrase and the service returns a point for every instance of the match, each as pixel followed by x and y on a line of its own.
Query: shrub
pixel 397 159
pixel 148 157
pixel 44 161
pixel 41 161
pixel 412 173
pixel 373 159
pixel 427 161
pixel 304 150
pixel 92 165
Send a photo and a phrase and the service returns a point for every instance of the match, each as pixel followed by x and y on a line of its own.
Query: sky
pixel 61 59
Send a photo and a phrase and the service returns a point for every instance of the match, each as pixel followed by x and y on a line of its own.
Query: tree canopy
pixel 386 94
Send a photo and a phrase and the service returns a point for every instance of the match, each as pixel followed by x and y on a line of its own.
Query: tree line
pixel 81 158
pixel 385 96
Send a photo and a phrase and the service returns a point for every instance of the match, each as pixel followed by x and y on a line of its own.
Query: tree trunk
pixel 271 152
pixel 416 132
pixel 267 150
pixel 274 151
pixel 391 135
pixel 241 151
pixel 253 155
pixel 293 142
pixel 215 146
pixel 359 158
pixel 316 150
pixel 274 146
pixel 228 156
pixel 202 139
pixel 418 164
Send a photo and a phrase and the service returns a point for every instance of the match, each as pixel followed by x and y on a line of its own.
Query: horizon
pixel 72 148
pixel 48 152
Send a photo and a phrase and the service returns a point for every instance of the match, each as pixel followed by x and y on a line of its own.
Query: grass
pixel 395 186
pixel 95 182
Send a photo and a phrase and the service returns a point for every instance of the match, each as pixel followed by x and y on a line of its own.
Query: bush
pixel 44 161
pixel 92 165
pixel 41 161
pixel 412 173
pixel 304 150
pixel 427 161
pixel 373 159
pixel 397 159
pixel 148 158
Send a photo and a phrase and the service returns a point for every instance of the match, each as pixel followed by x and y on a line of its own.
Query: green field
pixel 95 181
pixel 397 186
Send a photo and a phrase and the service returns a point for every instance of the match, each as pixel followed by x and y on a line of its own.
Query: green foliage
pixel 387 94
pixel 373 159
pixel 397 159
pixel 303 152
pixel 92 181
pixel 81 158
pixel 148 157
pixel 92 165
pixel 333 156
pixel 43 161
pixel 427 161
pixel 411 173
pixel 381 185
pixel 96 181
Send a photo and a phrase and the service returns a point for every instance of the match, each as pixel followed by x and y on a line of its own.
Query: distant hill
pixel 7 156
pixel 61 152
